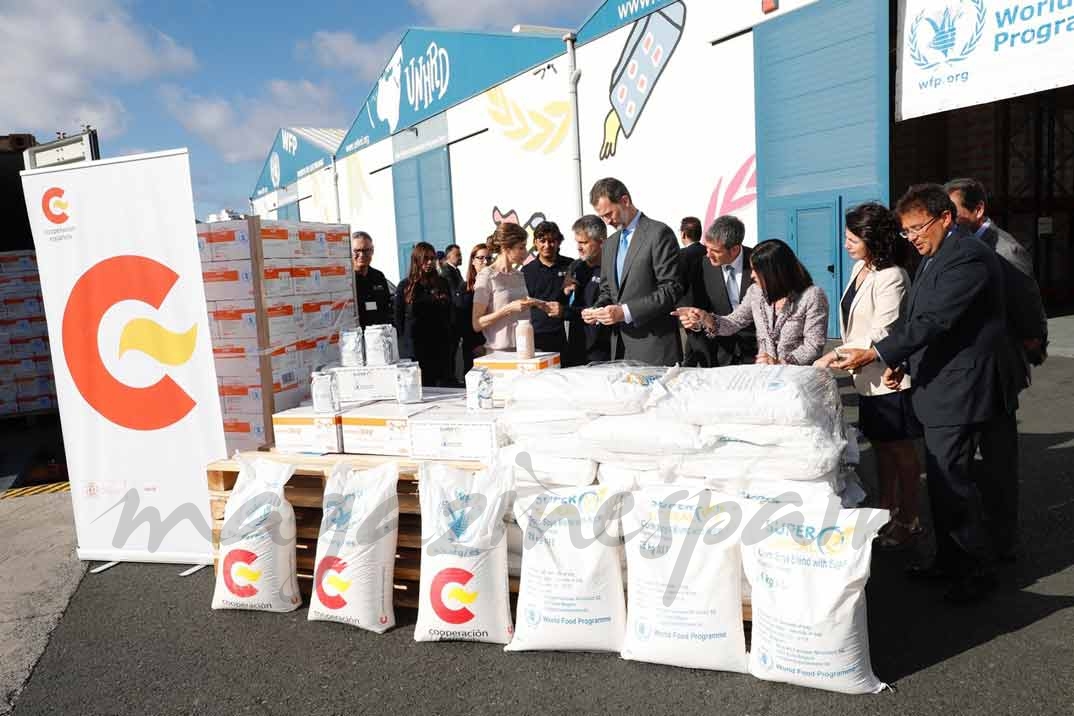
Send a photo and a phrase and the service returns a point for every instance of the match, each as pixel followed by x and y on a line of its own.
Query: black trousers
pixel 997 479
pixel 551 342
pixel 962 545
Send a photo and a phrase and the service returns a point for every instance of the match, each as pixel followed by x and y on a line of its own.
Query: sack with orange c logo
pixel 256 569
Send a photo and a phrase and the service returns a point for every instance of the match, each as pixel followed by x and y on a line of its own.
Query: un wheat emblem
pixel 945 35
pixel 537 130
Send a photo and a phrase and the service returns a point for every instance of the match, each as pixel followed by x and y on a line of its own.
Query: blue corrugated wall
pixel 823 109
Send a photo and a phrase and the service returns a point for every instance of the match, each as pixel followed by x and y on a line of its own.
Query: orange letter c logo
pixel 123 278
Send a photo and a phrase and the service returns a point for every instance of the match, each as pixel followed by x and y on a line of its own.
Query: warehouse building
pixel 782 113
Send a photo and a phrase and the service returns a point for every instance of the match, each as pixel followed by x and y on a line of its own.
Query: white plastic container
pixel 524 345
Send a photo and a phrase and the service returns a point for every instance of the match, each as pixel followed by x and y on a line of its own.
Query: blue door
pixel 423 207
pixel 823 114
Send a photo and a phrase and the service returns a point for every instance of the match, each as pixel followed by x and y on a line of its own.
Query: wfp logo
pixel 274 170
pixel 947 37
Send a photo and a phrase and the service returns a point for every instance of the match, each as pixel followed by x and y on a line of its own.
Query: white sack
pixel 688 552
pixel 605 389
pixel 750 394
pixel 571 595
pixel 808 595
pixel 256 568
pixel 538 468
pixel 464 589
pixel 526 421
pixel 641 433
pixel 354 574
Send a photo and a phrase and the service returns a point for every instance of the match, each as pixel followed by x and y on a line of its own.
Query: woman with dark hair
pixel 873 305
pixel 423 313
pixel 472 341
pixel 788 311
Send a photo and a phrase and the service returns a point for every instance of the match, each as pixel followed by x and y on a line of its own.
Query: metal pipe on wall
pixel 575 75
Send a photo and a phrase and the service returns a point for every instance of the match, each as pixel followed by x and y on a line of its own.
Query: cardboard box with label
pixel 244 432
pixel 18 262
pixel 227 280
pixel 241 358
pixel 277 279
pixel 228 241
pixel 338 238
pixel 505 366
pixel 446 432
pixel 26 388
pixel 278 241
pixel 354 385
pixel 379 428
pixel 304 431
pixel 28 347
pixel 12 307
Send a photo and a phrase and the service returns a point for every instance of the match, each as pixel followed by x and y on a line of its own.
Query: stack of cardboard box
pixel 277 294
pixel 26 381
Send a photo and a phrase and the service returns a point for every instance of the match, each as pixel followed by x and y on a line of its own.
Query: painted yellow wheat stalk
pixel 543 129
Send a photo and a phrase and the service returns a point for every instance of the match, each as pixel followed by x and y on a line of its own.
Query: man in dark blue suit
pixel 953 341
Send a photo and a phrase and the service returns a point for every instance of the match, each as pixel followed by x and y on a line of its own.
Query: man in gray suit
pixel 642 280
pixel 1027 332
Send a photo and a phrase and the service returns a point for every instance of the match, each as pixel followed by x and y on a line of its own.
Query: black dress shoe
pixel 927 573
pixel 970 590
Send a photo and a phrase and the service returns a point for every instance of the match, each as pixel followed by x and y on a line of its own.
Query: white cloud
pixel 342 50
pixel 242 127
pixel 60 59
pixel 490 14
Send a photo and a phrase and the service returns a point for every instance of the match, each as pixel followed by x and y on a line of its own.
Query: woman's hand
pixel 765 359
pixel 518 306
pixel 825 361
pixel 692 319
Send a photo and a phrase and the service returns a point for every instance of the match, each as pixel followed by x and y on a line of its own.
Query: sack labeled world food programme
pixel 684 566
pixel 807 572
pixel 570 596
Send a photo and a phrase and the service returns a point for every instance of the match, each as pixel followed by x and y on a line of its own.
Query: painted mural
pixel 536 128
pixel 740 192
pixel 647 52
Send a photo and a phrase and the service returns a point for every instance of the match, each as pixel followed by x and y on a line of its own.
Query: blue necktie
pixel 620 259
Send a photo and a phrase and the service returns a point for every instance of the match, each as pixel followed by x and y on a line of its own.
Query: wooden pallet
pixel 305 492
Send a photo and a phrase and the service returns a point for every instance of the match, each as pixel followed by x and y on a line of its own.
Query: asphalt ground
pixel 139 639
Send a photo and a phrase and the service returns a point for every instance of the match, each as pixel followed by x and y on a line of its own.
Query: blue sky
pixel 217 77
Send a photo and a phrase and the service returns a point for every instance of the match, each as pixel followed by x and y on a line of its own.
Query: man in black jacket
pixel 954 344
pixel 586 343
pixel 372 290
pixel 545 278
pixel 717 285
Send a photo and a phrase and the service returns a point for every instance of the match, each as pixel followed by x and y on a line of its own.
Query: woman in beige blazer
pixel 872 305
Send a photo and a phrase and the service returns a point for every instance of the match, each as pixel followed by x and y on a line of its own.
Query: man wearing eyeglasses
pixel 953 341
pixel 372 289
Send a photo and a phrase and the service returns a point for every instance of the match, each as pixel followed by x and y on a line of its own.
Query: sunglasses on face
pixel 483 259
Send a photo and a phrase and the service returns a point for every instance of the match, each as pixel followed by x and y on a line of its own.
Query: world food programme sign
pixel 957 53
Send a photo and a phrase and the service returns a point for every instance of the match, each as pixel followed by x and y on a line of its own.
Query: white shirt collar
pixel 737 263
